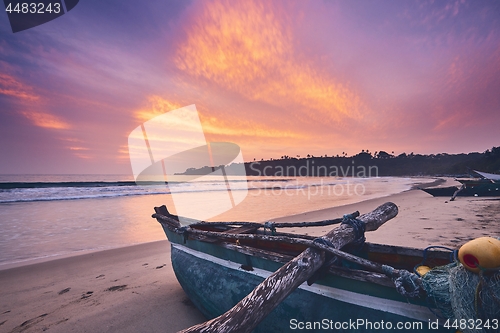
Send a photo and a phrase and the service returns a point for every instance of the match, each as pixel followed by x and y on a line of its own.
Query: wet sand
pixel 133 289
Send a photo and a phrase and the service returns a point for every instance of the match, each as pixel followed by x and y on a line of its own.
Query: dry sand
pixel 423 220
pixel 130 289
pixel 134 289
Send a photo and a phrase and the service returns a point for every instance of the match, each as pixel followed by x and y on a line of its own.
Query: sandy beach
pixel 130 289
pixel 133 289
pixel 422 220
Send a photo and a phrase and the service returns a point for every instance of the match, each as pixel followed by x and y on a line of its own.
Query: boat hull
pixel 215 279
pixel 471 190
pixel 441 191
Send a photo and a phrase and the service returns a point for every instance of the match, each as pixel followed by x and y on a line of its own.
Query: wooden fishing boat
pixel 219 264
pixel 447 191
pixel 486 185
pixel 491 176
pixel 470 188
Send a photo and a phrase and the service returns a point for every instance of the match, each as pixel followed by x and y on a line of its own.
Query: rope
pixel 335 261
pixel 358 227
pixel 270 225
pixel 183 231
pixel 453 255
pixel 323 241
pixel 407 284
pixel 388 270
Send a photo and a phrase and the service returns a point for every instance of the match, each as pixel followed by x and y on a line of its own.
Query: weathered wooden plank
pixel 243 229
pixel 354 274
pixel 306 224
pixel 359 275
pixel 259 253
pixel 250 311
pixel 405 251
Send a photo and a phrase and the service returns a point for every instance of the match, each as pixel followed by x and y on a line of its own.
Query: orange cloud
pixel 158 106
pixel 45 120
pixel 69 139
pixel 81 152
pixel 83 156
pixel 123 154
pixel 247 48
pixel 10 86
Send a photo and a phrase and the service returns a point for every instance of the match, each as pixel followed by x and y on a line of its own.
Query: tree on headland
pixel 384 155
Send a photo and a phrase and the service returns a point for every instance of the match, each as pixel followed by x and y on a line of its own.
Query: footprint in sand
pixel 117 288
pixel 87 294
pixel 64 291
pixel 26 324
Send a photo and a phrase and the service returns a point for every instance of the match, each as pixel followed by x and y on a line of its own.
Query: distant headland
pixel 366 164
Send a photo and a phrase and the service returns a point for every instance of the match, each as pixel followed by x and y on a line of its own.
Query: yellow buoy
pixel 480 253
pixel 422 270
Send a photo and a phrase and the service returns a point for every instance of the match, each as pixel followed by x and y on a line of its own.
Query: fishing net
pixel 463 295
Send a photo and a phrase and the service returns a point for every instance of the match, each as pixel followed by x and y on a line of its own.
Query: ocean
pixel 47 216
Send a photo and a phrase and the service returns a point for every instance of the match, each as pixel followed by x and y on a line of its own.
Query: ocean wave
pixel 122 194
pixel 20 185
pixel 12 192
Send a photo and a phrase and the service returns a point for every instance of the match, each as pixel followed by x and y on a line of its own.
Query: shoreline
pixel 140 229
pixel 134 289
pixel 69 255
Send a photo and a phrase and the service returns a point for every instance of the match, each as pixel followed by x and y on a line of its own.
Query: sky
pixel 274 77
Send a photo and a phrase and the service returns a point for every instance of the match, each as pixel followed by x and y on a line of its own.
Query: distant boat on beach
pixel 486 185
pixel 219 263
